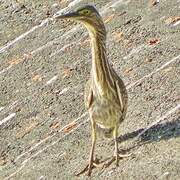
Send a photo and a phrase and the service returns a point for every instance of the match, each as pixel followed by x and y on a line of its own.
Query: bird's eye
pixel 85 12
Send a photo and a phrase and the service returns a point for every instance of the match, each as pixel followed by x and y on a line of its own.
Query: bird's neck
pixel 101 71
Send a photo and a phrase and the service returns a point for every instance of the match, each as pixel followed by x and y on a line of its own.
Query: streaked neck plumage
pixel 101 72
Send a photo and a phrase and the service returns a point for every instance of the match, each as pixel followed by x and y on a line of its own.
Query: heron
pixel 105 94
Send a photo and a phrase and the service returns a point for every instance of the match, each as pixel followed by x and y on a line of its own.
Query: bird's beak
pixel 71 15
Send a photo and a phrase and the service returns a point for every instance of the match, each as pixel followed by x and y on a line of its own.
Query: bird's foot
pixel 116 158
pixel 94 164
pixel 103 164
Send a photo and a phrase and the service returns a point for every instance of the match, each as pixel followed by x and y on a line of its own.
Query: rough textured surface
pixel 44 129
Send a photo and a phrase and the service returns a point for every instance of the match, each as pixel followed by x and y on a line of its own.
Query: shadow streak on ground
pixel 163 131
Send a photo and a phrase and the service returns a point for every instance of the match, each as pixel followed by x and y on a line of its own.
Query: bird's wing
pixel 88 95
pixel 119 93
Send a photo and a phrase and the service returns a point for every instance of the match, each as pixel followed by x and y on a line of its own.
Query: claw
pixel 124 155
pixel 106 165
pixel 116 158
pixel 89 167
pixel 97 164
pixel 83 171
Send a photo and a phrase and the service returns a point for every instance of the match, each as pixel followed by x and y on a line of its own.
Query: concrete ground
pixel 44 64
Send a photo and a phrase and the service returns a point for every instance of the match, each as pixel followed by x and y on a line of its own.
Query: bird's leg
pixel 91 163
pixel 116 156
pixel 116 153
pixel 91 158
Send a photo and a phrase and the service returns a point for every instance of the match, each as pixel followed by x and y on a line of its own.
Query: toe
pixel 124 155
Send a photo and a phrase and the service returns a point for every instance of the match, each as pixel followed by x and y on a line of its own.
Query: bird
pixel 105 94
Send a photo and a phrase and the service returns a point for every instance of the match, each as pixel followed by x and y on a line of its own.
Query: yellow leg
pixel 116 153
pixel 91 159
pixel 116 156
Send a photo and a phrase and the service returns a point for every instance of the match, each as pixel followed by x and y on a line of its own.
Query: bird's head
pixel 88 15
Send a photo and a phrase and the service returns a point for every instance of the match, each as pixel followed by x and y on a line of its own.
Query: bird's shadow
pixel 158 132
